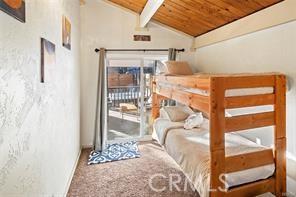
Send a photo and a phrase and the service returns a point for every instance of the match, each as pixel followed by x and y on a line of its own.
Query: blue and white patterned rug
pixel 115 152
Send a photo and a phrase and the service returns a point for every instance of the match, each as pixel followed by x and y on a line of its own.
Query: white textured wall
pixel 104 25
pixel 39 123
pixel 273 49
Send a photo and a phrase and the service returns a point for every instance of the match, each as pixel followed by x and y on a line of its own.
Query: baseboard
pixel 72 173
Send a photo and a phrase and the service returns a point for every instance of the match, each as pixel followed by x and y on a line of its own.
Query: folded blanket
pixel 162 126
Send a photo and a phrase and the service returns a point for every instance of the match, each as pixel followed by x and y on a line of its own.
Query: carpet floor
pixel 155 173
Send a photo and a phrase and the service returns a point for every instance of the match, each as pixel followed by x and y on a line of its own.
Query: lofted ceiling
pixel 196 17
pixel 133 5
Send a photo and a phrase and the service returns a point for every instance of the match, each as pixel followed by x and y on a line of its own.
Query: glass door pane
pixel 130 97
pixel 124 99
pixel 148 72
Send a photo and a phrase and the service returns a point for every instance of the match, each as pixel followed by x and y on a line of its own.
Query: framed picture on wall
pixel 66 33
pixel 15 8
pixel 47 57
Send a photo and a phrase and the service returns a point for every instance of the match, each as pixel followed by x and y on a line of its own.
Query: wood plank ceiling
pixel 196 17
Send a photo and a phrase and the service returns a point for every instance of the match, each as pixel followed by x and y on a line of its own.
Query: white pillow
pixel 194 120
pixel 173 68
pixel 176 113
pixel 178 68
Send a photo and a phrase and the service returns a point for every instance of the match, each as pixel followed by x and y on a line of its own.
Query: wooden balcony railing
pixel 126 94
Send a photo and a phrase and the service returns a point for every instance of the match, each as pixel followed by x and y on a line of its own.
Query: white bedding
pixel 231 93
pixel 228 93
pixel 190 149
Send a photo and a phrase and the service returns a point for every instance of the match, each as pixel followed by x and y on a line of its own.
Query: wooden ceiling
pixel 133 5
pixel 196 17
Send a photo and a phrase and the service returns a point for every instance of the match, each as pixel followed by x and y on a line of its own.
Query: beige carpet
pixel 131 177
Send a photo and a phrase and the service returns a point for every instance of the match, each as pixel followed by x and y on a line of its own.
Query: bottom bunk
pixel 190 149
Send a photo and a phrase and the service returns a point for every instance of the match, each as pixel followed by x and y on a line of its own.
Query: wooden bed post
pixel 155 106
pixel 280 135
pixel 156 99
pixel 217 129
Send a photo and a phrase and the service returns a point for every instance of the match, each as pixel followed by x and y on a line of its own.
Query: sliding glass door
pixel 149 68
pixel 129 99
pixel 124 99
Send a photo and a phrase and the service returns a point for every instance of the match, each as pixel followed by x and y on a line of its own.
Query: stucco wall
pixel 105 25
pixel 39 123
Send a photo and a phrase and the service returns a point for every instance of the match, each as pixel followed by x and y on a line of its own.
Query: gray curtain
pixel 100 136
pixel 172 57
pixel 172 54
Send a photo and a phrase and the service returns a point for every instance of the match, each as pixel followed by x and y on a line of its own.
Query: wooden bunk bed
pixel 214 105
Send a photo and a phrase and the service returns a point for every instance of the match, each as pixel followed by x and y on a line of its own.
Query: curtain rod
pixel 144 50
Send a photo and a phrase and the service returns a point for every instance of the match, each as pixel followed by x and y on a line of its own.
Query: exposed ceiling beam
pixel 149 10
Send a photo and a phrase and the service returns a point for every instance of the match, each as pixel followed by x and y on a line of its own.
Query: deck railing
pixel 126 94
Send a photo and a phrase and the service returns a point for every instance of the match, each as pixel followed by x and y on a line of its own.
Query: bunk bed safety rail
pixel 219 125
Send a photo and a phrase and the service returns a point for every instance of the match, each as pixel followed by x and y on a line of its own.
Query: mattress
pixel 231 93
pixel 228 93
pixel 190 149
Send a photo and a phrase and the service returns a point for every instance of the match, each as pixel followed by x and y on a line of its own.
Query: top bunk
pixel 232 81
pixel 236 90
